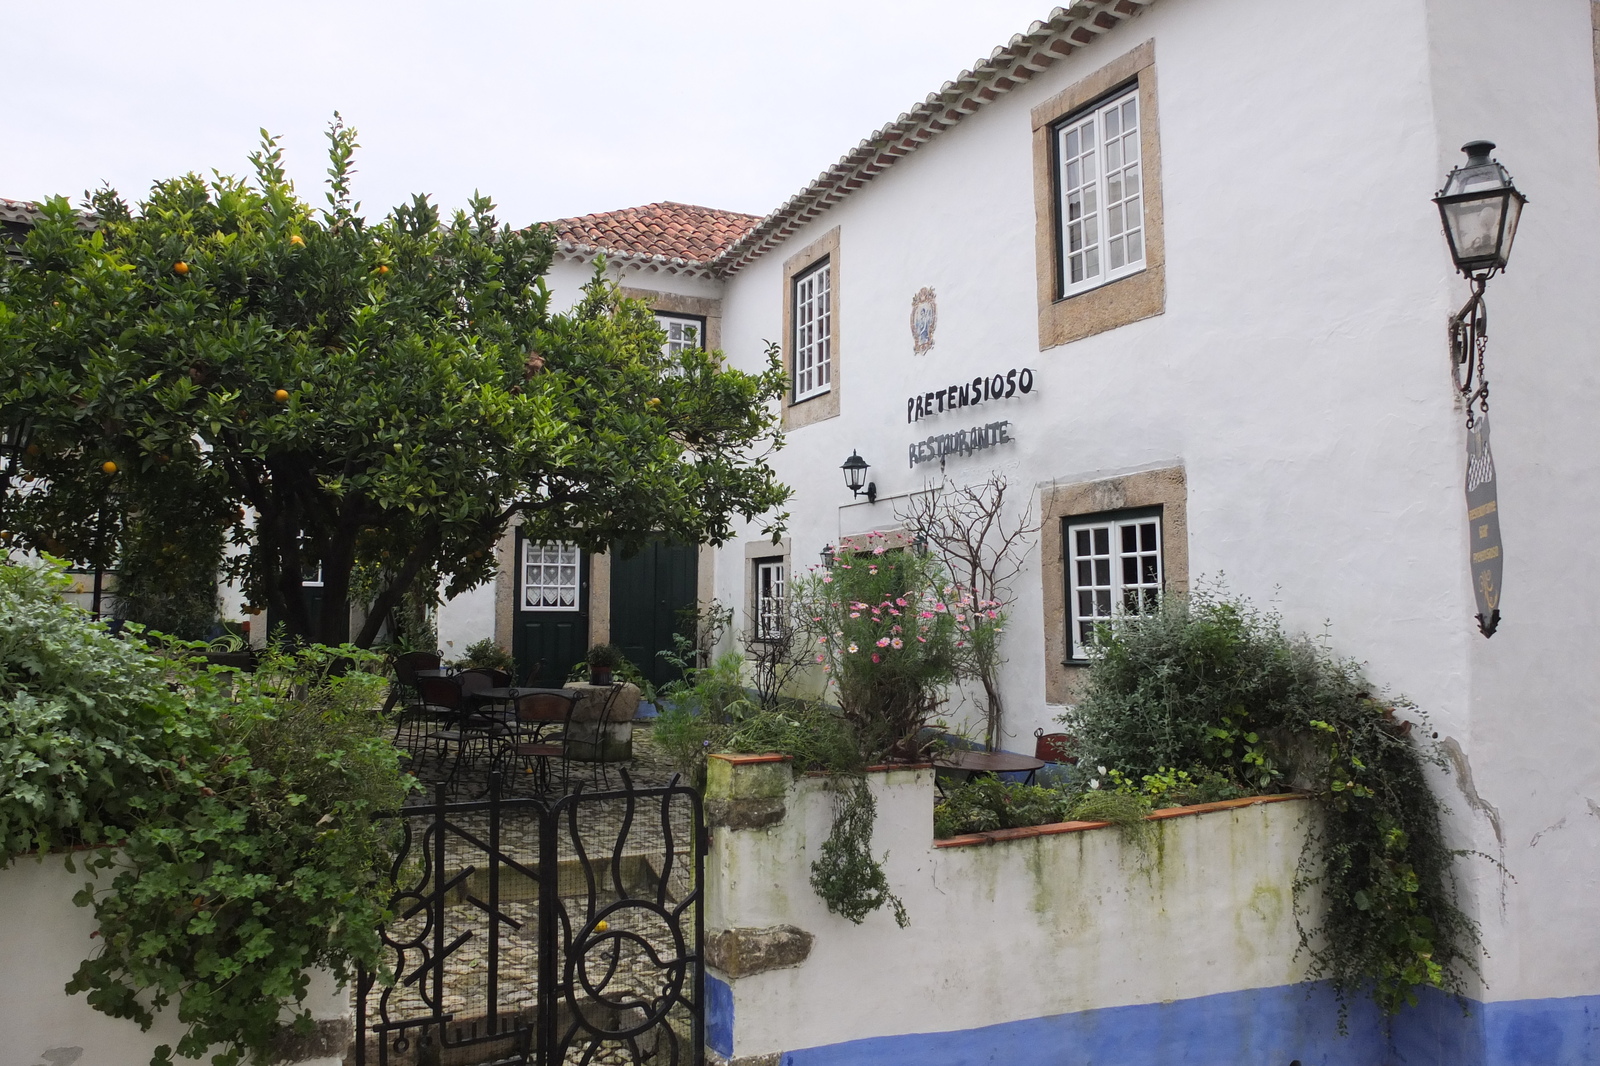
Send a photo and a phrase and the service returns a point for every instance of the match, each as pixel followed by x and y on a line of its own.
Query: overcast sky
pixel 552 108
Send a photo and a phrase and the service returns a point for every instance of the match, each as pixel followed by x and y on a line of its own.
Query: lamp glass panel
pixel 1513 216
pixel 1475 227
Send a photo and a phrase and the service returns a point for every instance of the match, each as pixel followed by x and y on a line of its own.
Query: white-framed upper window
pixel 683 331
pixel 1113 570
pixel 1102 201
pixel 813 332
pixel 550 574
pixel 769 583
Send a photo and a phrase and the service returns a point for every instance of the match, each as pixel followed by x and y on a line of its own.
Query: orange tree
pixel 374 399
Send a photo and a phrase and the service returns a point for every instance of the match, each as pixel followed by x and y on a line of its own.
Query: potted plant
pixel 602 660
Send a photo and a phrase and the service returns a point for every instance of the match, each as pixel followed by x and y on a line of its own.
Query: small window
pixel 1101 192
pixel 549 576
pixel 1113 570
pixel 683 331
pixel 813 332
pixel 768 607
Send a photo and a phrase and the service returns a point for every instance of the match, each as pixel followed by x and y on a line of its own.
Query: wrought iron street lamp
pixel 1480 209
pixel 855 477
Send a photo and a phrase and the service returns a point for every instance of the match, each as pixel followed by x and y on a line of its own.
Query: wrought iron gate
pixel 543 934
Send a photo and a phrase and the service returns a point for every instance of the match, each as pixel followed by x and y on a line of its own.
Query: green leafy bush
pixel 1210 682
pixel 485 654
pixel 240 805
pixel 987 803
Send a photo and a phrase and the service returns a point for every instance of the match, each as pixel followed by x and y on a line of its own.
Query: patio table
pixel 972 763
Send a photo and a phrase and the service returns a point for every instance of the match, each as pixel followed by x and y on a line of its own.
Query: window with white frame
pixel 683 331
pixel 768 613
pixel 550 575
pixel 1113 570
pixel 1102 202
pixel 813 332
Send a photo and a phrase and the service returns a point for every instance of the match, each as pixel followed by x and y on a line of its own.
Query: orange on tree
pixel 180 267
pixel 282 395
pixel 109 467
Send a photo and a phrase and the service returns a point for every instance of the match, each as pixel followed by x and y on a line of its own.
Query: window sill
pixel 817 408
pixel 1097 286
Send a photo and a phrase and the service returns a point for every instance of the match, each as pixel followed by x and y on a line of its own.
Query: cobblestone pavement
pixel 618 972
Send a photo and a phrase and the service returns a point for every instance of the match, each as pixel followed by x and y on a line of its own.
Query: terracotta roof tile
pixel 673 230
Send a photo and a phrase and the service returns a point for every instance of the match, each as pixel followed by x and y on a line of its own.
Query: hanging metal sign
pixel 1483 520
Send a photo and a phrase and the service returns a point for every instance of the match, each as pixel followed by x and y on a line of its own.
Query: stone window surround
pixel 765 551
pixel 706 307
pixel 1165 487
pixel 1128 299
pixel 826 405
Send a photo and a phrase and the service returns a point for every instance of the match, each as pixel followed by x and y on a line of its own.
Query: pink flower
pixel 922 640
pixel 876 657
pixel 897 643
pixel 941 608
pixel 855 614
pixel 819 658
pixel 961 618
pixel 894 612
pixel 822 639
pixel 900 601
pixel 883 642
pixel 827 579
pixel 927 614
pixel 853 648
pixel 895 629
pixel 872 570
pixel 879 550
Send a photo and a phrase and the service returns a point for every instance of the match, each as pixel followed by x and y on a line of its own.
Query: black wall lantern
pixel 827 557
pixel 855 477
pixel 1480 208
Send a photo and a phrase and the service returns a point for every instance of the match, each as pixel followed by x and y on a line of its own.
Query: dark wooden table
pixel 972 763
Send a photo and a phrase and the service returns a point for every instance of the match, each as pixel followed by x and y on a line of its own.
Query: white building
pixel 1258 365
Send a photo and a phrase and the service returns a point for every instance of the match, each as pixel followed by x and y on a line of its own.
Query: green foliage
pixel 1178 788
pixel 381 395
pixel 1124 810
pixel 85 720
pixel 241 807
pixel 485 654
pixel 986 803
pixel 604 657
pixel 1209 682
pixel 845 875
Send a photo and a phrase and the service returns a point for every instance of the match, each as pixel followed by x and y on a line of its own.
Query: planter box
pixel 45 937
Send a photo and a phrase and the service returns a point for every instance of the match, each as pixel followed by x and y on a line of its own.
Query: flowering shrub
pixel 889 631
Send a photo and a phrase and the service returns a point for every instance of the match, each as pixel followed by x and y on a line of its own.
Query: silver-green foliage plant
pixel 240 808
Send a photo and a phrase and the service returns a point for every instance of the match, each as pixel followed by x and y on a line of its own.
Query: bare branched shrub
pixel 966 527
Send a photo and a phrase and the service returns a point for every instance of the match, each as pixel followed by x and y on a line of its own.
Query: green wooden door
pixel 551 628
pixel 652 597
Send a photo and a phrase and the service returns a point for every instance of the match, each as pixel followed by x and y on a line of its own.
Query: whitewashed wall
pixel 1011 932
pixel 45 937
pixel 1300 375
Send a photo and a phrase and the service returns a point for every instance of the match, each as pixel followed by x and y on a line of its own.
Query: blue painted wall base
pixel 1257 1027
